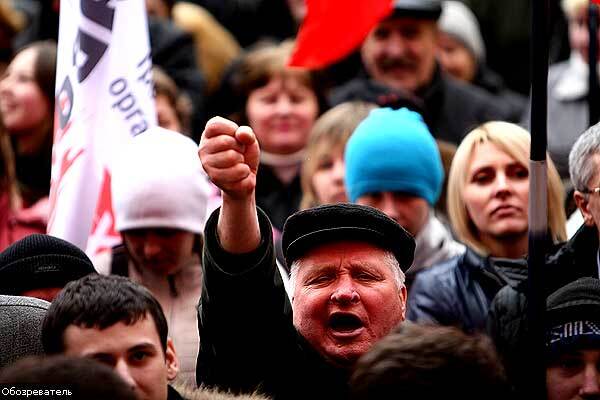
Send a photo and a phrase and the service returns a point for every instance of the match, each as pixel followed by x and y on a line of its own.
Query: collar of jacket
pixel 173 394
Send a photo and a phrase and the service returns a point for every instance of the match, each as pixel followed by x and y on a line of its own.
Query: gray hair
pixel 582 166
pixel 389 259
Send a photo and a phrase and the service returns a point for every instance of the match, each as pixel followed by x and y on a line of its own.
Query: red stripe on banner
pixel 332 29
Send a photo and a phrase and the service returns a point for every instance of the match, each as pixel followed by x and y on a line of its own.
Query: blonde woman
pixel 488 194
pixel 322 174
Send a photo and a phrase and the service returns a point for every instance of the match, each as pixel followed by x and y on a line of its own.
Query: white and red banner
pixel 103 99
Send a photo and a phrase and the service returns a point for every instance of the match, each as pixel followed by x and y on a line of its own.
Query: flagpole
pixel 536 303
pixel 593 89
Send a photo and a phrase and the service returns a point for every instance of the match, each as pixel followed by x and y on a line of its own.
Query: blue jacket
pixel 459 291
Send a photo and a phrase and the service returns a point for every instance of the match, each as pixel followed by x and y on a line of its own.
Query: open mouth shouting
pixel 345 325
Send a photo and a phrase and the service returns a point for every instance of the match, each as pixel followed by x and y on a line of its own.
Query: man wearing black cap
pixel 40 265
pixel 399 57
pixel 573 341
pixel 347 283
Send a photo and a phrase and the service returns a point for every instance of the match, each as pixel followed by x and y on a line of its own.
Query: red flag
pixel 332 29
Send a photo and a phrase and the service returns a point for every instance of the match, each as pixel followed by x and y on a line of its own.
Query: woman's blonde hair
pixel 514 141
pixel 328 135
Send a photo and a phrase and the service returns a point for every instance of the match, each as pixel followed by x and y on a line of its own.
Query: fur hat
pixel 458 21
pixel 393 150
pixel 158 182
pixel 335 222
pixel 41 261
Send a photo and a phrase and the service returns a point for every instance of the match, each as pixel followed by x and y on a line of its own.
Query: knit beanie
pixel 158 182
pixel 393 151
pixel 41 261
pixel 573 317
pixel 458 20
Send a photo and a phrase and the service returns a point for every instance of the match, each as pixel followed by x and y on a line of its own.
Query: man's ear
pixel 583 204
pixel 403 294
pixel 171 360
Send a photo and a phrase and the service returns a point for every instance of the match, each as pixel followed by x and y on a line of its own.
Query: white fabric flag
pixel 103 99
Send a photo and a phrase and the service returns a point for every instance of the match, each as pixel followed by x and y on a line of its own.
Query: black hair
pixel 99 301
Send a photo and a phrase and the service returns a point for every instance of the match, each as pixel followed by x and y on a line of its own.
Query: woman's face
pixel 328 178
pixel 282 113
pixel 496 193
pixel 579 36
pixel 455 58
pixel 23 105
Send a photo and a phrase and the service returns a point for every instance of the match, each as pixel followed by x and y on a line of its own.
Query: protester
pixel 80 378
pixel 574 259
pixel 399 56
pixel 393 164
pixel 430 363
pixel 16 222
pixel 119 323
pixel 160 210
pixel 461 53
pixel 40 265
pixel 281 105
pixel 322 175
pixel 21 327
pixel 573 341
pixel 347 272
pixel 27 113
pixel 568 89
pixel 488 193
pixel 173 108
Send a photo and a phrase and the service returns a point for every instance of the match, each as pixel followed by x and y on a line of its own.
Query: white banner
pixel 103 99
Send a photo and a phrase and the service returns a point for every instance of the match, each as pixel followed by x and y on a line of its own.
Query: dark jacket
pixel 277 199
pixel 507 323
pixel 451 108
pixel 458 292
pixel 492 83
pixel 248 341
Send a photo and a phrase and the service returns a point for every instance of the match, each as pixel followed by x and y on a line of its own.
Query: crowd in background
pixel 413 152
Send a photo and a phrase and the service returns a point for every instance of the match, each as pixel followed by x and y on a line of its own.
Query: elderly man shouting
pixel 347 283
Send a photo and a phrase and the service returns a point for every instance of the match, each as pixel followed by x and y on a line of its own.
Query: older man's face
pixel 589 203
pixel 345 299
pixel 400 53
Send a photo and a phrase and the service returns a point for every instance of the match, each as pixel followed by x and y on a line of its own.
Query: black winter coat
pixel 458 292
pixel 451 108
pixel 507 322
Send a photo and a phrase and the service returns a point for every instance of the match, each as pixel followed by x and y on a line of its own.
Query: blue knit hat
pixel 393 151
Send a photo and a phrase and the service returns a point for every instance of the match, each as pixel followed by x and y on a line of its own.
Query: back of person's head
pixel 158 182
pixel 430 362
pixel 83 378
pixel 393 151
pixel 515 142
pixel 98 301
pixel 21 326
pixel 39 262
pixel 583 166
pixel 329 135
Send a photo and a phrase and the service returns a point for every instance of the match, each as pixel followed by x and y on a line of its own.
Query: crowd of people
pixel 341 233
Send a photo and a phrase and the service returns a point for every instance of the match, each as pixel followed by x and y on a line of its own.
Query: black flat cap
pixel 41 261
pixel 309 228
pixel 425 9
